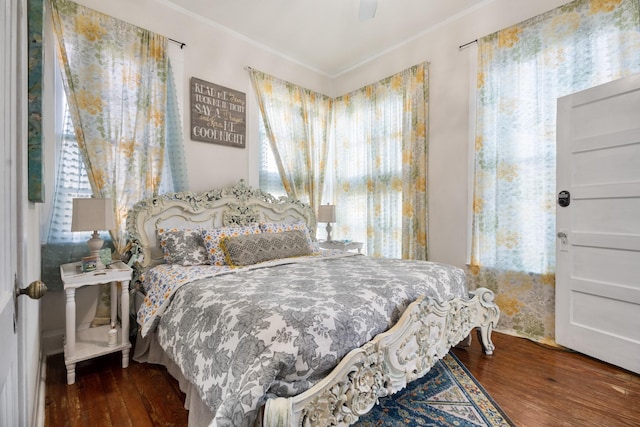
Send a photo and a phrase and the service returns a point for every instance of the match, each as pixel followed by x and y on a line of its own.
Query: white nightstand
pixel 341 245
pixel 83 344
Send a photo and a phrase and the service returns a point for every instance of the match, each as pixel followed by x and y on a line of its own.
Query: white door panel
pixel 8 363
pixel 622 220
pixel 604 264
pixel 9 387
pixel 597 280
pixel 617 162
pixel 600 111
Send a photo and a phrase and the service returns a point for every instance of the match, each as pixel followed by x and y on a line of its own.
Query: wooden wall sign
pixel 218 114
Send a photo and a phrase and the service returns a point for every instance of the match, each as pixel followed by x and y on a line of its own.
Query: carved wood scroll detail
pixel 236 205
pixel 423 335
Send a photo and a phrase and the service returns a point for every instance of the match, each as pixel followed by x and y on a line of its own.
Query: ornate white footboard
pixel 423 335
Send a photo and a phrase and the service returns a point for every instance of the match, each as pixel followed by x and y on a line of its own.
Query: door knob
pixel 35 290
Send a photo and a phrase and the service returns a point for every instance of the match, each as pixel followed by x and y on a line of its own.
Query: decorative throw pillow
pixel 183 246
pixel 255 248
pixel 213 236
pixel 279 227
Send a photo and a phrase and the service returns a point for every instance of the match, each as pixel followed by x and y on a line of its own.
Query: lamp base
pixel 95 244
pixel 328 228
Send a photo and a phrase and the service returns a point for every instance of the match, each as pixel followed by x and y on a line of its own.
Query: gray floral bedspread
pixel 243 337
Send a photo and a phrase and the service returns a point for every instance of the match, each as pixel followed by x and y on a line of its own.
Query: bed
pixel 261 327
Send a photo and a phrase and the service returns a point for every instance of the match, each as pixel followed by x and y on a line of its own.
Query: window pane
pixel 269 176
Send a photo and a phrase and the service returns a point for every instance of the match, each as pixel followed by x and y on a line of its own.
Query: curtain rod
pixel 177 42
pixel 467 44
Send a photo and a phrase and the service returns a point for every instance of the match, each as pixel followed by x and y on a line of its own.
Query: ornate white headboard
pixel 238 205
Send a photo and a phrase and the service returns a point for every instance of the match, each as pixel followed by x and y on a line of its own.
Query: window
pixel 268 175
pixel 71 180
pixel 523 70
pixel 375 169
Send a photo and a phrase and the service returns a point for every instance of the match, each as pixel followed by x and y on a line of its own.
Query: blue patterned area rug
pixel 447 395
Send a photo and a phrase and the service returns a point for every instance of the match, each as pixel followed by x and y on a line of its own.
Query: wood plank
pixel 160 399
pixel 538 385
pixel 137 412
pixel 117 398
pixel 56 391
pixel 93 411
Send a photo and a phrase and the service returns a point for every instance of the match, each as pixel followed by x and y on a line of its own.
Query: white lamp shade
pixel 92 214
pixel 327 213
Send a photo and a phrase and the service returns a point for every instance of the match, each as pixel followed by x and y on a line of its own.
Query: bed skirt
pixel 147 350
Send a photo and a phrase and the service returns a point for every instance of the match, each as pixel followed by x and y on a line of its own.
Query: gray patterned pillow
pixel 184 247
pixel 255 248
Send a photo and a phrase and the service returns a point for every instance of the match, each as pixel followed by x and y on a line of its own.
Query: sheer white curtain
pixel 375 141
pixel 115 79
pixel 379 159
pixel 296 123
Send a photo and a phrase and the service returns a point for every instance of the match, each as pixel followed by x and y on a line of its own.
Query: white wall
pixel 217 56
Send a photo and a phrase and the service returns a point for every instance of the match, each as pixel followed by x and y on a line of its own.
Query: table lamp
pixel 93 214
pixel 327 213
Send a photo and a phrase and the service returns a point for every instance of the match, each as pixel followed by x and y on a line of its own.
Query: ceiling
pixel 326 35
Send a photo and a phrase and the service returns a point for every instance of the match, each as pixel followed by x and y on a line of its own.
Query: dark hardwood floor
pixel 533 384
pixel 537 385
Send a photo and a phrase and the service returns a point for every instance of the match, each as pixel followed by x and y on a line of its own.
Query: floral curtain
pixel 379 165
pixel 115 80
pixel 61 245
pixel 522 70
pixel 297 123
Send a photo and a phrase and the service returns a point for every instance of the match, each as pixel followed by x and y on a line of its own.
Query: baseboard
pixel 52 342
pixel 41 388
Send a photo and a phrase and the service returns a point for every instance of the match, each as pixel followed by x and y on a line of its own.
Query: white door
pixel 598 245
pixel 9 387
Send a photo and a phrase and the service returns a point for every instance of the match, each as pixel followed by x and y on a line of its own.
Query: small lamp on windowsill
pixel 327 213
pixel 93 214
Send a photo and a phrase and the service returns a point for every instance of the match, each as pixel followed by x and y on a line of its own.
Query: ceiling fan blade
pixel 368 9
